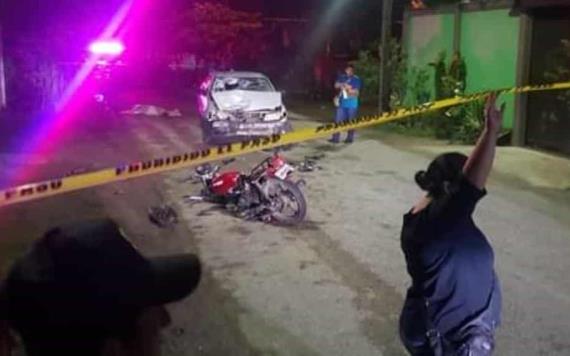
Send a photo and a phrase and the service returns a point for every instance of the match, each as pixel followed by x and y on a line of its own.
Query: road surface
pixel 333 286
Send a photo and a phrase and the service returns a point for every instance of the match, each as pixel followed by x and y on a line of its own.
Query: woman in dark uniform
pixel 453 306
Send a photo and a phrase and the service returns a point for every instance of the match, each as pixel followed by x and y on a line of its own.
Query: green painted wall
pixel 426 37
pixel 489 44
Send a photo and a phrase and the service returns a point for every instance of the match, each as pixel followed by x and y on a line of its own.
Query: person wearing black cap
pixel 453 306
pixel 83 285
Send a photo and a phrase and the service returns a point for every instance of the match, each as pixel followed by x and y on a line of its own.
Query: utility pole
pixel 2 76
pixel 387 6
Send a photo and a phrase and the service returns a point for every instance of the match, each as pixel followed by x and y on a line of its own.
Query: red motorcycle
pixel 267 193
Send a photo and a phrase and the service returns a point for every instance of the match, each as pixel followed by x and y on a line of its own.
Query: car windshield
pixel 249 84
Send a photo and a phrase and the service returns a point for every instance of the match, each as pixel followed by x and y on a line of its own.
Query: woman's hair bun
pixel 422 180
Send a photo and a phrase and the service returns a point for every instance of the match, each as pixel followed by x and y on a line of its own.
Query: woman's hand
pixel 493 115
pixel 480 161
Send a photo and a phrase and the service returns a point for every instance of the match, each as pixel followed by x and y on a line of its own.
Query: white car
pixel 234 105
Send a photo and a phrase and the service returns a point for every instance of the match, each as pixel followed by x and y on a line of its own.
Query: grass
pixel 414 131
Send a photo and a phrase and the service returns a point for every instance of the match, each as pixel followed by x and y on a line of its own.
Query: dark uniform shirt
pixel 450 261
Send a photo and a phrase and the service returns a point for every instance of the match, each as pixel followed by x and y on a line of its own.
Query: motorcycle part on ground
pixel 317 157
pixel 307 166
pixel 163 216
pixel 193 198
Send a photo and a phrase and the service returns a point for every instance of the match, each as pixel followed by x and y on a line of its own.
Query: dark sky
pixel 27 15
pixel 22 14
pixel 275 8
pixel 31 16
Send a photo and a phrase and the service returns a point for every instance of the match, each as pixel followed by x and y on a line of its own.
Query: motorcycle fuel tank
pixel 225 183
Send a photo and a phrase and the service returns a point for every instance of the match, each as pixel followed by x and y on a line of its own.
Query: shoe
pixel 333 141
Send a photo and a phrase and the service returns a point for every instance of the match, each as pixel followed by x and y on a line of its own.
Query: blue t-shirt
pixel 356 83
pixel 450 261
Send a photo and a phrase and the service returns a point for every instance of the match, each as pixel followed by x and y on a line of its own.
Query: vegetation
pixel 459 123
pixel 34 81
pixel 410 86
pixel 368 68
pixel 224 36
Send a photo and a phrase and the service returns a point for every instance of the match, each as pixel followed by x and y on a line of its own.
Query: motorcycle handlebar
pixel 260 168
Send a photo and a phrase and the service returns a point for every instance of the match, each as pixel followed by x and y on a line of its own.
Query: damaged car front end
pixel 242 105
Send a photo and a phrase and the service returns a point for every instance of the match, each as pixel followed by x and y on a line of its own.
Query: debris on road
pixel 309 164
pixel 193 198
pixel 164 216
pixel 151 110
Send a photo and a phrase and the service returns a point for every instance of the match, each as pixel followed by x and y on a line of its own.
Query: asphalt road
pixel 333 286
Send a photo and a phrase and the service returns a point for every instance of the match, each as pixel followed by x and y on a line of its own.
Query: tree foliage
pixel 221 35
pixel 459 123
pixel 368 68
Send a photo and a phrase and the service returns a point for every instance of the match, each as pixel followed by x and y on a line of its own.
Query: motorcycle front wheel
pixel 288 204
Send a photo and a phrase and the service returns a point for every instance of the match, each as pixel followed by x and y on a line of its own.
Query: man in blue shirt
pixel 349 86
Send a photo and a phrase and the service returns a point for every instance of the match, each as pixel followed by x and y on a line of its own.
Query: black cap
pixel 87 279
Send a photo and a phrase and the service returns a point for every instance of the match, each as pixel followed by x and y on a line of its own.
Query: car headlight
pixel 218 115
pixel 275 116
pixel 222 115
pixel 220 124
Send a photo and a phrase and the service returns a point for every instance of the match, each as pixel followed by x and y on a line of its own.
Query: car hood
pixel 247 100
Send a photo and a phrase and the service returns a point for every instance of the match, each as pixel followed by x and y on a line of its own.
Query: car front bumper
pixel 248 129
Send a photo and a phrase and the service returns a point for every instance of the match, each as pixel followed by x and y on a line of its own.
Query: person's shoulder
pixel 414 219
pixel 466 189
pixel 415 227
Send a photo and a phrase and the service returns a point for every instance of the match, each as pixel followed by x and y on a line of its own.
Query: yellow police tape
pixel 52 187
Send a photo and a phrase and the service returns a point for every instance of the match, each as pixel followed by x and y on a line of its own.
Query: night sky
pixel 27 15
